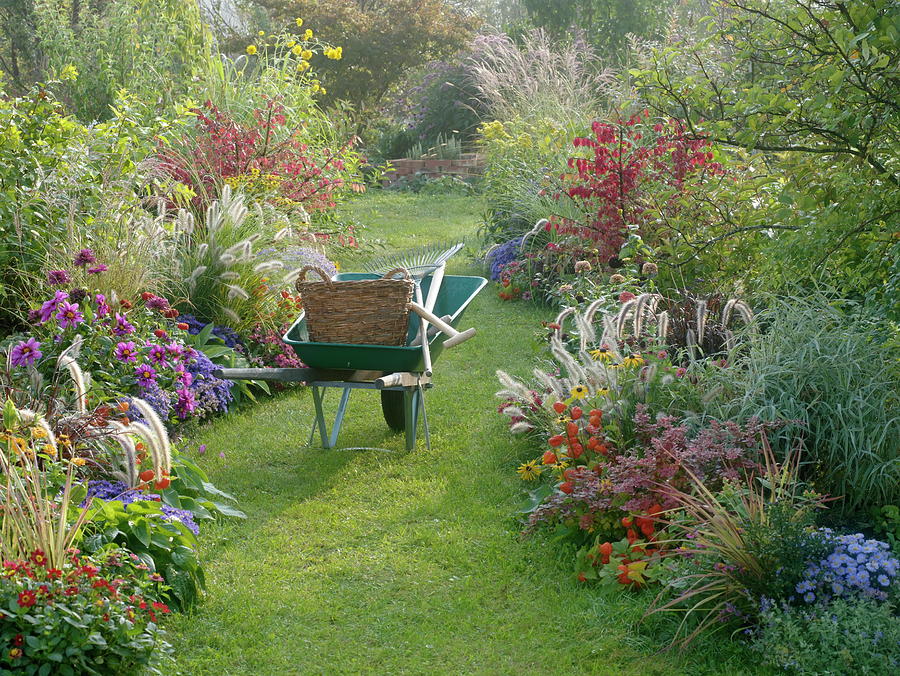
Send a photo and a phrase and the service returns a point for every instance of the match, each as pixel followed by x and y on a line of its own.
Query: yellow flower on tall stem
pixel 579 392
pixel 529 471
pixel 298 21
pixel 633 360
pixel 602 353
pixel 251 49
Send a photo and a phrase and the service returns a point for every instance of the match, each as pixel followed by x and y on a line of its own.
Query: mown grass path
pixel 394 562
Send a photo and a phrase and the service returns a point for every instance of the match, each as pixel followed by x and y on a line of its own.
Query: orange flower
pixel 605 551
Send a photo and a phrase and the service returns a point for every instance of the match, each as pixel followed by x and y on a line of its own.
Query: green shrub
pixel 831 376
pixel 847 637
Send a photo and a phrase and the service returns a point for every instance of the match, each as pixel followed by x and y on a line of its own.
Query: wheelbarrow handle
pixel 456 337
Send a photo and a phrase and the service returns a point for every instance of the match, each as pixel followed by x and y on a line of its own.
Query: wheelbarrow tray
pixel 454 297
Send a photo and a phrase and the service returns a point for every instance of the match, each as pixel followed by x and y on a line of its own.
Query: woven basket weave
pixel 359 312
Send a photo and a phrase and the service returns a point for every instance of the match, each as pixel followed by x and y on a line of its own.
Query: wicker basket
pixel 359 312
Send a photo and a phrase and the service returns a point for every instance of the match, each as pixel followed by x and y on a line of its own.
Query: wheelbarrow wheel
pixel 392 408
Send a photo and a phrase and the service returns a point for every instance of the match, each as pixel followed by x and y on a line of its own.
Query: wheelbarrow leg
pixel 318 397
pixel 339 418
pixel 410 416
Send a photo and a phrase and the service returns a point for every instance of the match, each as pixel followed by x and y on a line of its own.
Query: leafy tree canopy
pixel 813 85
pixel 381 40
pixel 605 23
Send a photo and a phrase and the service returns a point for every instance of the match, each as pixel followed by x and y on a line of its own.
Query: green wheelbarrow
pixel 401 374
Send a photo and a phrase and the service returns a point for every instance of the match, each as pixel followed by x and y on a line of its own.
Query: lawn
pixel 393 562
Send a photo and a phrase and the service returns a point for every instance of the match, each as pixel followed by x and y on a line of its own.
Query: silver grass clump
pixel 539 78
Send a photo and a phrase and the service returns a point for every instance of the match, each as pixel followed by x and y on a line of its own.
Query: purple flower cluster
pixel 228 335
pixel 159 399
pixel 502 255
pixel 211 394
pixel 117 490
pixel 299 257
pixel 855 567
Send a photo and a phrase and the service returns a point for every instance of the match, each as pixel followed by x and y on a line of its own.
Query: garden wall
pixel 466 166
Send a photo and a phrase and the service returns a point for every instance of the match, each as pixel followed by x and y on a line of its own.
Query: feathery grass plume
pixel 521 427
pixel 267 267
pixel 67 361
pixel 538 78
pixel 569 365
pixel 512 388
pixel 700 319
pixel 129 470
pixel 623 315
pixel 290 277
pixel 662 323
pixel 551 384
pixel 234 291
pixel 155 434
pixel 213 265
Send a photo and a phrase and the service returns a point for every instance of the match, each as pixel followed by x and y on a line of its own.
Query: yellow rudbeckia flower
pixel 529 471
pixel 633 360
pixel 579 392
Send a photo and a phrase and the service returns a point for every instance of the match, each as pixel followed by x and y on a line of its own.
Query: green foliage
pixel 169 548
pixel 605 23
pixel 65 186
pixel 846 637
pixel 523 159
pixel 886 522
pixel 817 92
pixel 750 540
pixel 831 376
pixel 97 48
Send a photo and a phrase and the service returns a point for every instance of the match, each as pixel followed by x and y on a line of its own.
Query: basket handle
pixel 301 276
pixel 391 273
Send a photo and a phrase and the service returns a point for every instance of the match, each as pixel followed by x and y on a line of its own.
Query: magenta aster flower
pixel 145 374
pixel 103 307
pixel 97 269
pixel 157 354
pixel 50 306
pixel 69 314
pixel 175 351
pixel 186 403
pixel 84 257
pixel 25 353
pixel 126 351
pixel 122 326
pixel 58 277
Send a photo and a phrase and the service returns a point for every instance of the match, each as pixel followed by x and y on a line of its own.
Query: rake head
pixel 419 262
